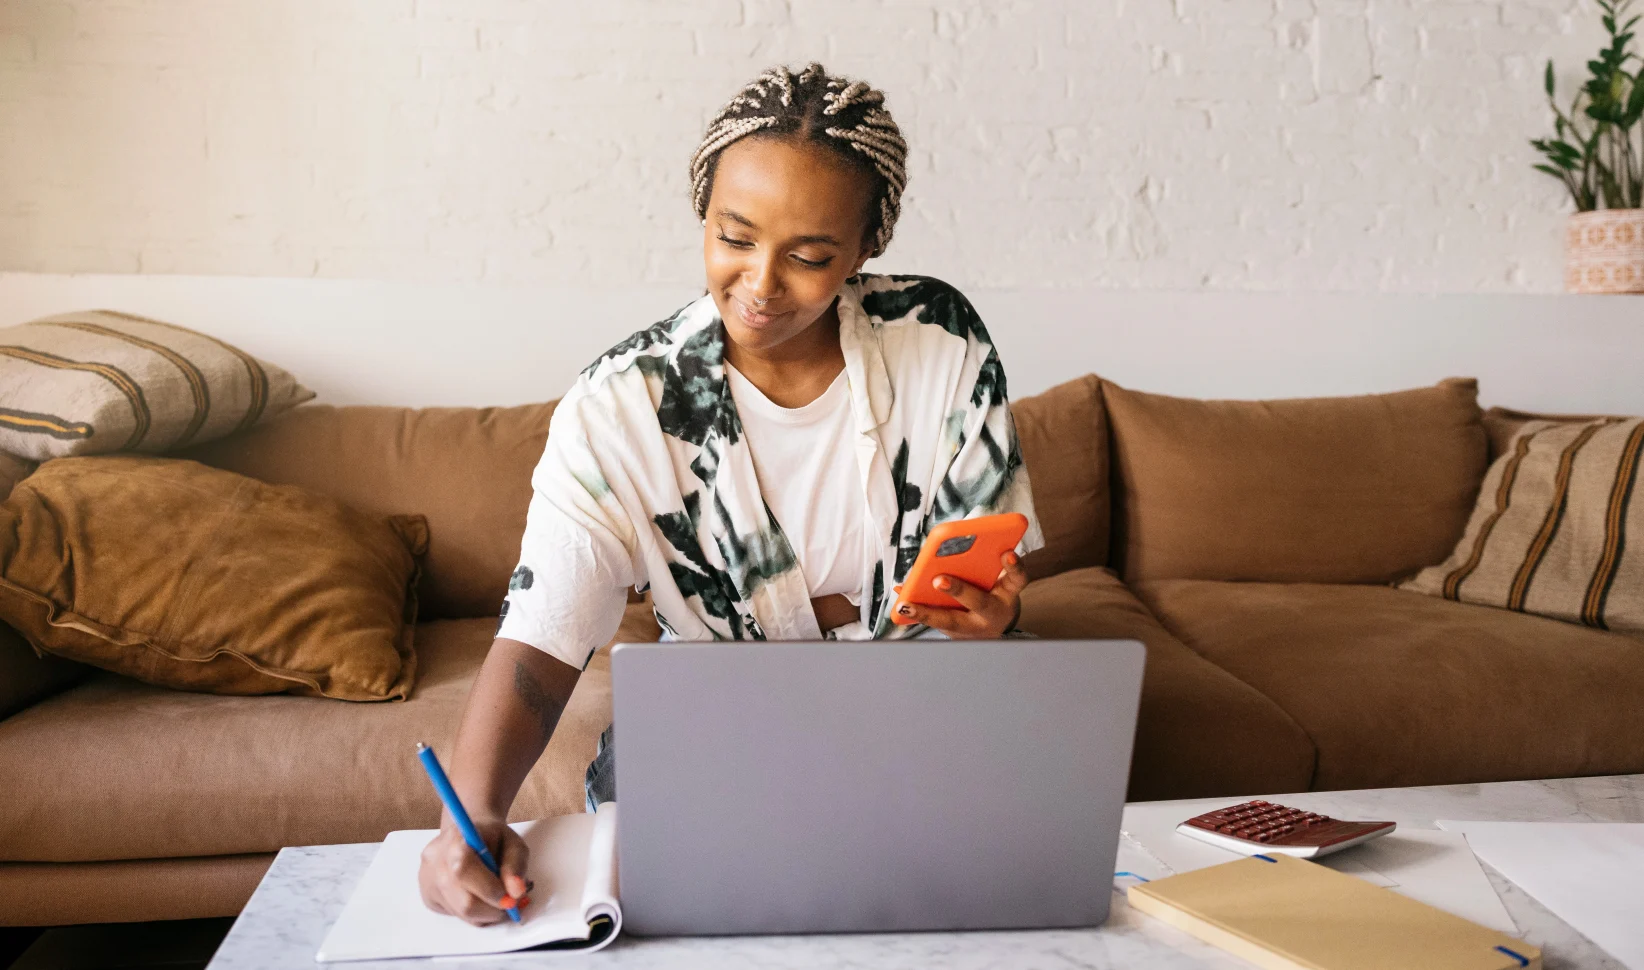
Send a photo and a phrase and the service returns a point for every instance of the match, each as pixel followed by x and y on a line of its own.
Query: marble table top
pixel 305 890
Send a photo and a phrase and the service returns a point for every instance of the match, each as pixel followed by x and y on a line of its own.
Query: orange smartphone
pixel 968 549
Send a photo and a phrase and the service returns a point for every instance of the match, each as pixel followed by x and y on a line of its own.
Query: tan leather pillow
pixel 467 469
pixel 1324 490
pixel 186 576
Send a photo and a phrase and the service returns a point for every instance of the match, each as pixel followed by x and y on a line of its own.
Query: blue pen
pixel 453 804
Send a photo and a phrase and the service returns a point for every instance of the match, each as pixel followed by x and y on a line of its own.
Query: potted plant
pixel 1595 153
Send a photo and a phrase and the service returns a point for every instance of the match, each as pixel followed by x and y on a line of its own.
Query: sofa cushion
pixel 1199 732
pixel 114 769
pixel 128 890
pixel 1331 490
pixel 98 381
pixel 467 469
pixel 187 576
pixel 1548 535
pixel 1063 435
pixel 1400 689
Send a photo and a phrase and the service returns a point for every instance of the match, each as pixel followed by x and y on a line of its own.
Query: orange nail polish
pixel 507 902
pixel 524 901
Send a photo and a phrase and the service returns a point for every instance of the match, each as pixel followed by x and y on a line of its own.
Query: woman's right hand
pixel 454 881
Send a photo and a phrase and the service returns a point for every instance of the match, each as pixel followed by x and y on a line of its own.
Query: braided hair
pixel 847 117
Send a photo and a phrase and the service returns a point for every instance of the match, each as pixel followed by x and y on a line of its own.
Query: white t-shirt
pixel 806 462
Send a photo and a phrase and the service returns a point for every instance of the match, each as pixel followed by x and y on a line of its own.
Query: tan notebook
pixel 1291 914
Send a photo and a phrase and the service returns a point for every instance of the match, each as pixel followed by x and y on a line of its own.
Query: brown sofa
pixel 1248 545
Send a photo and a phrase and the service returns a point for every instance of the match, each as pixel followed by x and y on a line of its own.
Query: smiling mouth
pixel 754 318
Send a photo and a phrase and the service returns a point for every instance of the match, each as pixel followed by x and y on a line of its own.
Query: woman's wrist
pixel 1015 619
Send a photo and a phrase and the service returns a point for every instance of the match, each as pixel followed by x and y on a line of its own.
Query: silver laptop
pixel 870 786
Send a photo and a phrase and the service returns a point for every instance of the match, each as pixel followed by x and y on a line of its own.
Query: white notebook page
pixel 572 862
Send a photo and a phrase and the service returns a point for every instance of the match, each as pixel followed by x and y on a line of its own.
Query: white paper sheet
pixel 1435 868
pixel 385 917
pixel 1135 864
pixel 1590 874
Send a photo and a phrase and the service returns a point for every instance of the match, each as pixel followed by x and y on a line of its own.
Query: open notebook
pixel 574 905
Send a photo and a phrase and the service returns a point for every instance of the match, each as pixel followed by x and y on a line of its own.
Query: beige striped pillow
pixel 100 381
pixel 1556 530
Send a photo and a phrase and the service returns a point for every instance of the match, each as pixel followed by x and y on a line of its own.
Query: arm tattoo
pixel 535 699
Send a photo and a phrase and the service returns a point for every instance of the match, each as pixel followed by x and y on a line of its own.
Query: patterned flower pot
pixel 1604 252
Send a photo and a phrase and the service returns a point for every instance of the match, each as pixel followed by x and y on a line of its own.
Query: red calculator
pixel 1263 827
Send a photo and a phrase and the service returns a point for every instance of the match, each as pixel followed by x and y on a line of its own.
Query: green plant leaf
pixel 1563 150
pixel 1549 77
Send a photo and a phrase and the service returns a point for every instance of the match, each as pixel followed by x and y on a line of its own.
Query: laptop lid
pixel 870 786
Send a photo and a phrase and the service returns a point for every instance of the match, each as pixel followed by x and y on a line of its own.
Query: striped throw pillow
pixel 1556 530
pixel 100 381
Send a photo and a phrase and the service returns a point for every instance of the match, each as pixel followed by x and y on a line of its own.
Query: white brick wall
pixel 1186 144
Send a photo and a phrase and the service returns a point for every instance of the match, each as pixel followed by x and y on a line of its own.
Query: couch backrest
pixel 467 469
pixel 1324 490
pixel 1063 434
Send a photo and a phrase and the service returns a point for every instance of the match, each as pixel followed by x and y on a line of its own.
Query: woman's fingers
pixel 432 893
pixel 981 613
pixel 958 624
pixel 480 893
pixel 454 881
pixel 969 596
pixel 512 859
pixel 1012 579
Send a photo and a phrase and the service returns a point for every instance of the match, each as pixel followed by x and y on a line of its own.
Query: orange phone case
pixel 974 549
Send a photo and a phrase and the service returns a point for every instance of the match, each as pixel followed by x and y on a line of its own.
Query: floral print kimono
pixel 647 480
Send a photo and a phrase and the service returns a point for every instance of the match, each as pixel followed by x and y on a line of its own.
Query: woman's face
pixel 786 224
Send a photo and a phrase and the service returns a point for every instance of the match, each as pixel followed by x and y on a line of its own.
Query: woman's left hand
pixel 986 614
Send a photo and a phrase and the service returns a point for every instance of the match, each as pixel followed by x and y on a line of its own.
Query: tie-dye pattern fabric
pixel 647 480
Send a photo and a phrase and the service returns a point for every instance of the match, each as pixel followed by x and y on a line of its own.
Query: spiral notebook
pixel 573 907
pixel 1282 913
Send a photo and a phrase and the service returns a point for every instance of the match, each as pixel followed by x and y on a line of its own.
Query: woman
pixel 767 461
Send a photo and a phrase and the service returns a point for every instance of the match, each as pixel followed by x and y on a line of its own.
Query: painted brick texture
pixel 1180 144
